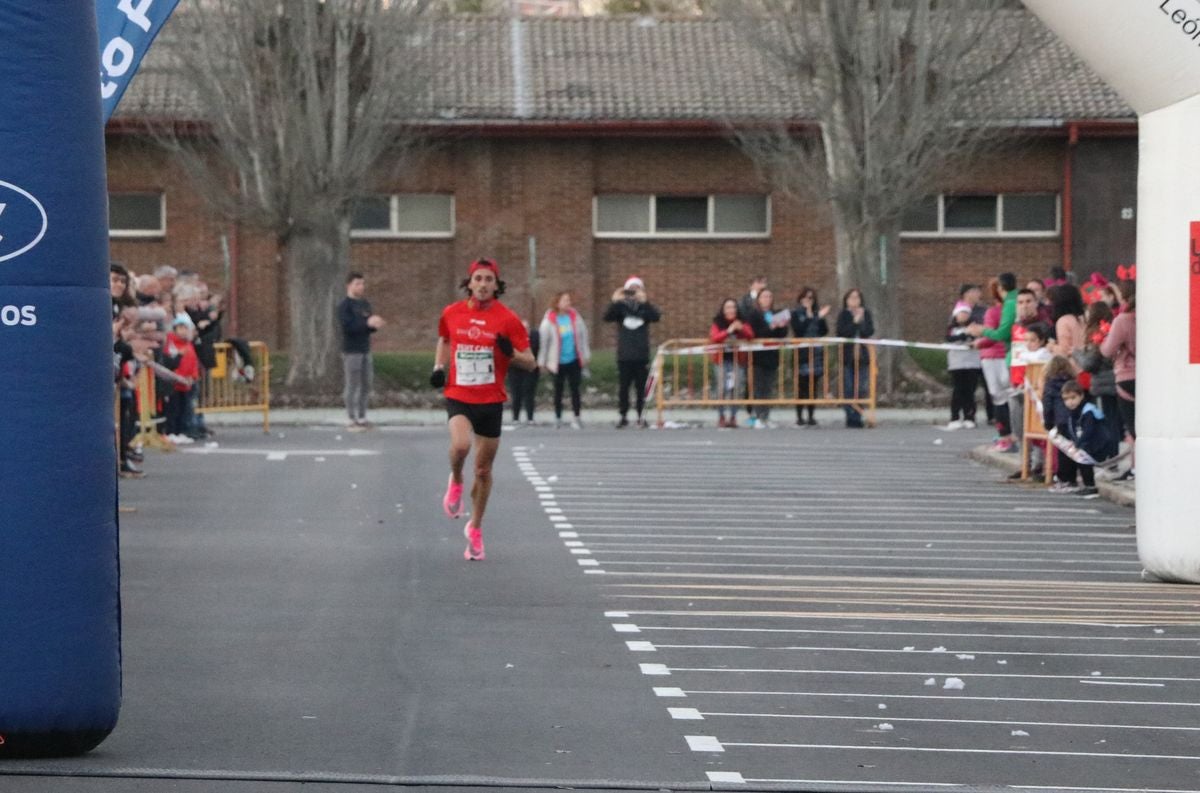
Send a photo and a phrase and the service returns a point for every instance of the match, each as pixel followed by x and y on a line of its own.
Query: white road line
pixel 703 743
pixel 572 543
pixel 892 651
pixel 720 545
pixel 893 568
pixel 581 551
pixel 927 673
pixel 588 562
pixel 933 557
pixel 939 697
pixel 955 750
pixel 934 634
pixel 564 525
pixel 685 714
pixel 656 670
pixel 640 647
pixel 725 777
pixel 625 627
pixel 1118 683
pixel 270 453
pixel 552 510
pixel 1104 789
pixel 723 537
pixel 568 535
pixel 875 718
pixel 859 784
pixel 763 522
pixel 667 691
pixel 880 531
pixel 276 456
pixel 557 518
pixel 617 614
pixel 595 571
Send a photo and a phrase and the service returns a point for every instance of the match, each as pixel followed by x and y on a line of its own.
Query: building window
pixel 137 215
pixel 681 216
pixel 410 215
pixel 984 215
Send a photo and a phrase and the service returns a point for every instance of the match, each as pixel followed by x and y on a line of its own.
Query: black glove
pixel 437 378
pixel 505 346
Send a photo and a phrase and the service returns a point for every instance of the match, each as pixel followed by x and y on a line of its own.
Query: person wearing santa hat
pixel 633 313
pixel 477 340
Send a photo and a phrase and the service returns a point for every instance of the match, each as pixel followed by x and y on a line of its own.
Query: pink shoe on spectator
pixel 1004 445
pixel 452 501
pixel 474 551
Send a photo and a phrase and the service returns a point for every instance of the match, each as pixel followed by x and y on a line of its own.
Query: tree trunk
pixel 868 258
pixel 316 267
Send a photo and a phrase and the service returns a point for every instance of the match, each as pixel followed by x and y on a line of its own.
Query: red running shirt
pixel 477 369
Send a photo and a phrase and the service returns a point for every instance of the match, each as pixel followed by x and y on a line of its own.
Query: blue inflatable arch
pixel 59 573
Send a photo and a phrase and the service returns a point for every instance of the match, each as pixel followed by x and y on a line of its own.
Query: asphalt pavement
pixel 817 609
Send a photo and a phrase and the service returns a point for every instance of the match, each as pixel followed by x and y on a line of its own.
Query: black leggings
pixel 570 373
pixel 632 373
pixel 1067 467
pixel 522 386
pixel 962 399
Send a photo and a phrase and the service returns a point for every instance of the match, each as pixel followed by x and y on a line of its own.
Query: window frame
pixel 652 215
pixel 998 230
pixel 139 234
pixel 393 233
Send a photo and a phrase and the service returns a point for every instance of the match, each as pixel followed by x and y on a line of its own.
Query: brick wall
pixel 507 190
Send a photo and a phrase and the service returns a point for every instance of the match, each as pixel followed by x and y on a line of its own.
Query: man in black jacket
pixel 630 308
pixel 358 322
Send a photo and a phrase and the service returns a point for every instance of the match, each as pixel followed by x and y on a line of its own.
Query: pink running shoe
pixel 474 551
pixel 452 501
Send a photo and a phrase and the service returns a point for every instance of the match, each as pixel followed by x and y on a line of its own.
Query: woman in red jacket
pixel 729 365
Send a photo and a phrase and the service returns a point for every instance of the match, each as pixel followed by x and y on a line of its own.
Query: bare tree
pixel 895 91
pixel 303 106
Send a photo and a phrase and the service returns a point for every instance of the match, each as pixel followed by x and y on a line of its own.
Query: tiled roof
pixel 629 69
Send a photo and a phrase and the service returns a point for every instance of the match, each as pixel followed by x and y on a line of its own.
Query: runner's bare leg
pixel 481 488
pixel 460 446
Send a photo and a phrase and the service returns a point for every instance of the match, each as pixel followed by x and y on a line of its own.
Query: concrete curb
pixel 1116 492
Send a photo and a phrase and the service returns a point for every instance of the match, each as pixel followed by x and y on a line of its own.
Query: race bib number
pixel 474 365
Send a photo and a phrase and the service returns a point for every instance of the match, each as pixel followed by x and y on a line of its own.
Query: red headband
pixel 484 264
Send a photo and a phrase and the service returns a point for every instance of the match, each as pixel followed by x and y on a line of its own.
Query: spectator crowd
pixel 165 323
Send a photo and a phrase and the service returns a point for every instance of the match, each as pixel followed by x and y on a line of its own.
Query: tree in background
pixel 896 90
pixel 299 103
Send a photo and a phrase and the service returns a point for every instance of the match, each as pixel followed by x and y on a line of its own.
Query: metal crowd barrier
pixel 229 387
pixel 684 374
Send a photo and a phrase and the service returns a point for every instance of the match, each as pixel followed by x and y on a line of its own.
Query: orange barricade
pixel 234 385
pixel 683 374
pixel 1034 428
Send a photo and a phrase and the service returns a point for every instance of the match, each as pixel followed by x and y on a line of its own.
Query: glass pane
pixel 629 213
pixel 740 214
pixel 922 216
pixel 1032 212
pixel 425 214
pixel 371 213
pixel 135 212
pixel 971 212
pixel 681 214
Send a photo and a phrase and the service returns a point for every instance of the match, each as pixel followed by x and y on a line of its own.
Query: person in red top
pixel 477 340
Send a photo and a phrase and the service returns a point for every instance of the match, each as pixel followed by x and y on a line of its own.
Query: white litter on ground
pixel 884 726
pixel 931 681
pixel 909 649
pixel 1020 734
pixel 552 478
pixel 882 706
pixel 965 657
pixel 953 683
pixel 1096 674
pixel 938 650
pixel 1002 662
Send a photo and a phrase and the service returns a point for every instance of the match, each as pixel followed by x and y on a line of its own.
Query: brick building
pixel 590 149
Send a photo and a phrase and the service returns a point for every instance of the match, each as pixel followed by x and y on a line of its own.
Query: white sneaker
pixel 954 425
pixel 967 424
pixel 576 425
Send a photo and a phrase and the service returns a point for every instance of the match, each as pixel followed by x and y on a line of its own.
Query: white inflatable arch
pixel 1149 51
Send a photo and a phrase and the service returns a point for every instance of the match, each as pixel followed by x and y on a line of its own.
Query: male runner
pixel 477 338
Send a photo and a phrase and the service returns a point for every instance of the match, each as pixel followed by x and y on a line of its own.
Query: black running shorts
pixel 486 418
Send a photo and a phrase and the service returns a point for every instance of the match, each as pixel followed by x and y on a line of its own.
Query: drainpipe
pixel 231 298
pixel 1068 196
